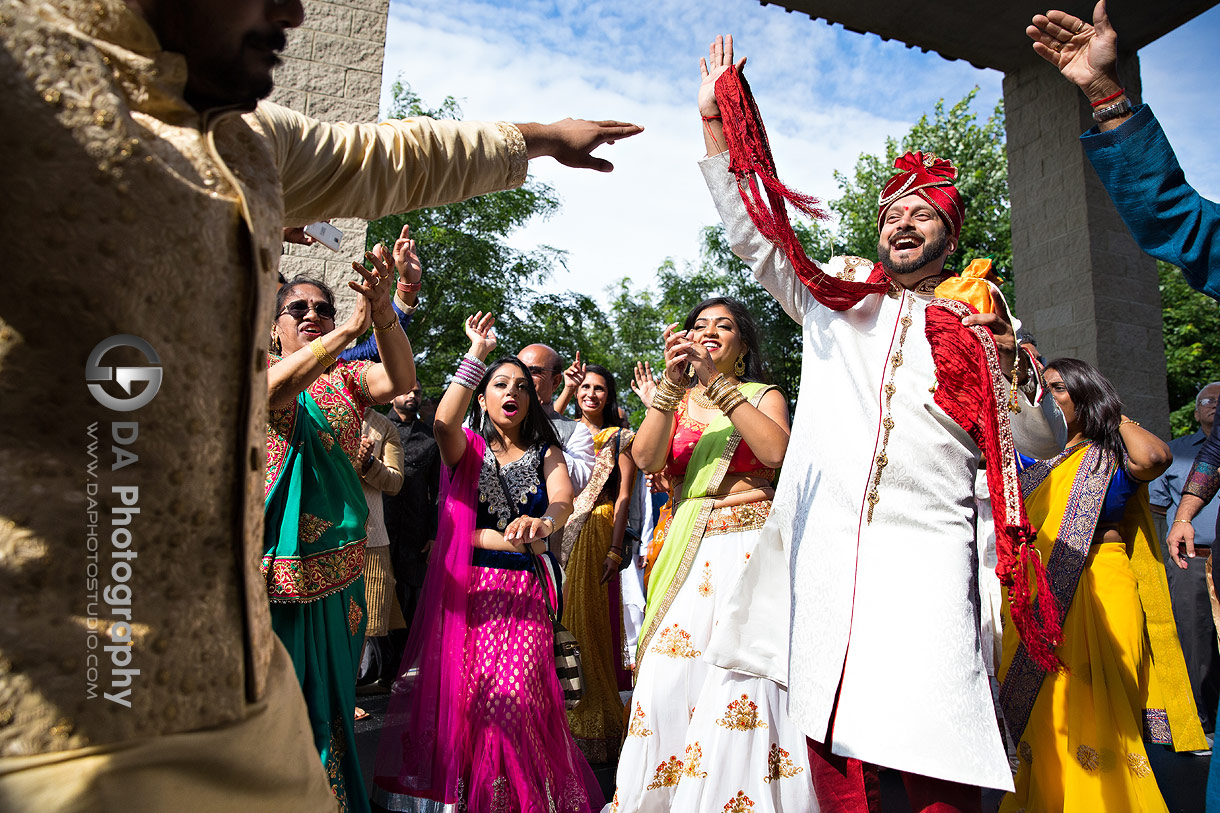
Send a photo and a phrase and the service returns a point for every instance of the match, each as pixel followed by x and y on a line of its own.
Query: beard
pixel 931 250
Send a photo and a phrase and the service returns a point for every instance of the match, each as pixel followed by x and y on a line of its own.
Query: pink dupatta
pixel 424 740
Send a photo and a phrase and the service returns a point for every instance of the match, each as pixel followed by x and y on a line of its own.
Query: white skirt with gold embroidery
pixel 703 738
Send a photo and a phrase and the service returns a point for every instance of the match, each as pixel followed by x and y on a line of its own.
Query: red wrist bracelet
pixel 1109 98
pixel 712 118
pixel 409 287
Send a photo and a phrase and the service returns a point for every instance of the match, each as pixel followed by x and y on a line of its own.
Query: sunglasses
pixel 299 309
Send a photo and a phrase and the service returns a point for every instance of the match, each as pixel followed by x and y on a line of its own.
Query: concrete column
pixel 332 71
pixel 1083 286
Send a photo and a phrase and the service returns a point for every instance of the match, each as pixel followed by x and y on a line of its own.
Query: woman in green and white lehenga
pixel 314 538
pixel 701 736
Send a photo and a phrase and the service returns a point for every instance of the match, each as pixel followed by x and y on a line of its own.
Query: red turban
pixel 932 179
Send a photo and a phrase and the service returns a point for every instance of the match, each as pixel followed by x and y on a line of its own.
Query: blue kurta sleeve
pixel 367 349
pixel 1204 479
pixel 1167 217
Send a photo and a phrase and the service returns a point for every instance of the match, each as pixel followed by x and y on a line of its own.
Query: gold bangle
pixel 667 396
pixel 730 401
pixel 614 557
pixel 322 354
pixel 1123 423
pixel 1188 522
pixel 388 326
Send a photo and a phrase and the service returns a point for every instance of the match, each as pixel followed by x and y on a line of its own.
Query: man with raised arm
pixel 146 192
pixel 903 387
pixel 1167 217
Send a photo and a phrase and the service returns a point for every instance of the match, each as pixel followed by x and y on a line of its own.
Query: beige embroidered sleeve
pixel 371 170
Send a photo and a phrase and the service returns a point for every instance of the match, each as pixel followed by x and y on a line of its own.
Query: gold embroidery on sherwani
pixel 705 585
pixel 667 774
pixel 741 715
pixel 638 727
pixel 881 461
pixel 354 615
pixel 675 642
pixel 739 803
pixel 779 765
pixel 694 755
pixel 311 528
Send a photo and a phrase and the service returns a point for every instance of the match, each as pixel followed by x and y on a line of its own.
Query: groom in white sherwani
pixel 903 389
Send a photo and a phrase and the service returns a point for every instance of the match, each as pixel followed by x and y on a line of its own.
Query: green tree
pixel 1192 345
pixel 976 150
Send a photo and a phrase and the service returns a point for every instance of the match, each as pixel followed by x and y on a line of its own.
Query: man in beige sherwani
pixel 143 203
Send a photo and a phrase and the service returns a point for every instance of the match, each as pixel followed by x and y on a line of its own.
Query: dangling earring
pixel 739 369
pixel 276 346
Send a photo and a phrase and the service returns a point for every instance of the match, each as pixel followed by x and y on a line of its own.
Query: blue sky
pixel 827 95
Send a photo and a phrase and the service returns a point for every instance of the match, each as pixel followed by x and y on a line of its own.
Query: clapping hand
pixel 482 336
pixel 365 453
pixel 643 383
pixel 406 261
pixel 574 374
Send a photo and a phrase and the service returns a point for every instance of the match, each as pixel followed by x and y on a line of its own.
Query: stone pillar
pixel 1083 286
pixel 332 71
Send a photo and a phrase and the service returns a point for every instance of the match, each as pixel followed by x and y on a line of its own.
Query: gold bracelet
pixel 667 396
pixel 322 354
pixel 1123 423
pixel 730 401
pixel 614 557
pixel 388 326
pixel 1188 522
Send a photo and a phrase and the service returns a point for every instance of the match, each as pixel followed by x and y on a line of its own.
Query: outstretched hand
pixel 406 261
pixel 643 383
pixel 1086 55
pixel 574 375
pixel 718 60
pixel 571 141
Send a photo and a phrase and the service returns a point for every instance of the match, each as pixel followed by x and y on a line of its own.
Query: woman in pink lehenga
pixel 476 719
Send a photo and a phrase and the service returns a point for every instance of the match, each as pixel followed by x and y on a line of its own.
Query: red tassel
pixel 750 160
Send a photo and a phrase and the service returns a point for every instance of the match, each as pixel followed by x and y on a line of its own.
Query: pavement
pixel 1181 777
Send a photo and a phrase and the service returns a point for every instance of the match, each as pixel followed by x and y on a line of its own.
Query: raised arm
pixel 770 265
pixel 395 374
pixel 1129 151
pixel 571 382
pixel 651 447
pixel 451 411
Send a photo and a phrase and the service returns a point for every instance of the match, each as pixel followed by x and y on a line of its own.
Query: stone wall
pixel 1083 286
pixel 332 71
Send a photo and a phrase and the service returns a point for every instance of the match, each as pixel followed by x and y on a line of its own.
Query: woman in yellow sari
pixel 592 555
pixel 1080 731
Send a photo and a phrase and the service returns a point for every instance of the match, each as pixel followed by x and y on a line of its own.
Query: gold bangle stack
pixel 387 327
pixel 667 396
pixel 322 354
pixel 614 557
pixel 724 394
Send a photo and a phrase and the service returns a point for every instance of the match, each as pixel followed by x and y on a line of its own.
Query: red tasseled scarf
pixel 750 160
pixel 966 388
pixel 967 393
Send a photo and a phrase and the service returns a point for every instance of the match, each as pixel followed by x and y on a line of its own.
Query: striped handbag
pixel 566 648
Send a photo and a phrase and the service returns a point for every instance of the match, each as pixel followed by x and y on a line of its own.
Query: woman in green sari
pixel 700 736
pixel 314 537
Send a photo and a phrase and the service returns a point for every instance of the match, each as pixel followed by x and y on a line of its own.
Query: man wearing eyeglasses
pixel 546 368
pixel 1188 587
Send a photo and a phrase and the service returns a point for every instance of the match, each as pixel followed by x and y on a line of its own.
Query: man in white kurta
pixel 876 513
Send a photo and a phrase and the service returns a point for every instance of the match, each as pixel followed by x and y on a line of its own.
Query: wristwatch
pixel 1113 111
